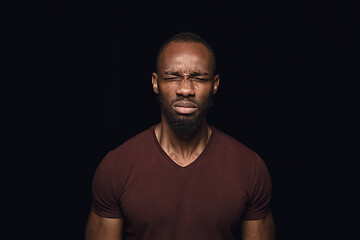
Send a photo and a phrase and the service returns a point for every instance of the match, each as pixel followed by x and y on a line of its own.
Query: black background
pixel 76 83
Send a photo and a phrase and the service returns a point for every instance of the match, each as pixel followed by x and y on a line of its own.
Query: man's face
pixel 185 83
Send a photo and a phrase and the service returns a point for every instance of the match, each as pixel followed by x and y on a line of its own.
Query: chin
pixel 184 124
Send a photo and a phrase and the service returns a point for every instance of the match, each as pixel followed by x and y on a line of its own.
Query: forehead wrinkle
pixel 192 72
pixel 186 58
pixel 188 65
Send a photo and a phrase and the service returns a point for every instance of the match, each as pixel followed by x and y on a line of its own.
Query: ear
pixel 216 83
pixel 154 80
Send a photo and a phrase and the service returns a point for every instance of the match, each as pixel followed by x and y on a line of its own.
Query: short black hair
pixel 187 37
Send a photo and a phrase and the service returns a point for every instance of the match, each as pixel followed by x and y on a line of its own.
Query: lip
pixel 185 107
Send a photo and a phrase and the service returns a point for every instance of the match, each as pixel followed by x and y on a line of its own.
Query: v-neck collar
pixel 198 160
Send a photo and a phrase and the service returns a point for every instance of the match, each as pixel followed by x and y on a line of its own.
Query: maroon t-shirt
pixel 159 199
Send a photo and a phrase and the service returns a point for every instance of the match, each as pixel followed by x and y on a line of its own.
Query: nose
pixel 186 88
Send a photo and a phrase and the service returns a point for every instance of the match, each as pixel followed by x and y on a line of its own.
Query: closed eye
pixel 200 79
pixel 172 79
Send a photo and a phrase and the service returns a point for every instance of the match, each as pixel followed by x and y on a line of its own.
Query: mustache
pixel 184 100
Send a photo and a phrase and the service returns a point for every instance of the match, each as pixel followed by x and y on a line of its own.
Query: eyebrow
pixel 173 73
pixel 193 74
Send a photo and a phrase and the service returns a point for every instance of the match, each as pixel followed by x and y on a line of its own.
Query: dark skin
pixel 184 70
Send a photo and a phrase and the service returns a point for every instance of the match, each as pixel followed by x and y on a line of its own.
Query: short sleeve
pixel 105 202
pixel 258 206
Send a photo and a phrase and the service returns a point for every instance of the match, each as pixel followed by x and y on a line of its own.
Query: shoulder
pixel 236 156
pixel 243 162
pixel 130 151
pixel 120 162
pixel 233 147
pixel 136 143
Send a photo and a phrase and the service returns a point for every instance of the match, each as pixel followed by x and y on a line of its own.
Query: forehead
pixel 185 56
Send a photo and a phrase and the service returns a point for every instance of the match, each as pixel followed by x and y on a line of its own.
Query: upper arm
pixel 260 188
pixel 263 229
pixel 99 228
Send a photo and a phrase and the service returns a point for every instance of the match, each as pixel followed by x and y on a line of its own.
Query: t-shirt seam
pixel 115 196
pixel 254 177
pixel 110 174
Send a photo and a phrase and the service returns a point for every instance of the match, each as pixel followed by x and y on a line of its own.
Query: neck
pixel 183 149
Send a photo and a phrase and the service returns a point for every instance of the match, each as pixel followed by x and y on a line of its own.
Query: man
pixel 182 179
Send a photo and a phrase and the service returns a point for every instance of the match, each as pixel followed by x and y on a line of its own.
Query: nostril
pixel 185 91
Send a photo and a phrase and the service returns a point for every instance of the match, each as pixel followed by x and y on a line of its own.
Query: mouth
pixel 185 107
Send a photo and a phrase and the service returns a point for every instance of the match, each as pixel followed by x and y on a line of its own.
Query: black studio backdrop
pixel 76 83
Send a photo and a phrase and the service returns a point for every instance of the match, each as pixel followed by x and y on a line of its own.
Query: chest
pixel 207 198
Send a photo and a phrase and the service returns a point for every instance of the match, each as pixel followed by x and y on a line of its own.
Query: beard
pixel 185 124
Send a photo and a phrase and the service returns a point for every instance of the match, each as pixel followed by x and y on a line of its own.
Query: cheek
pixel 204 92
pixel 167 92
pixel 169 89
pixel 196 86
